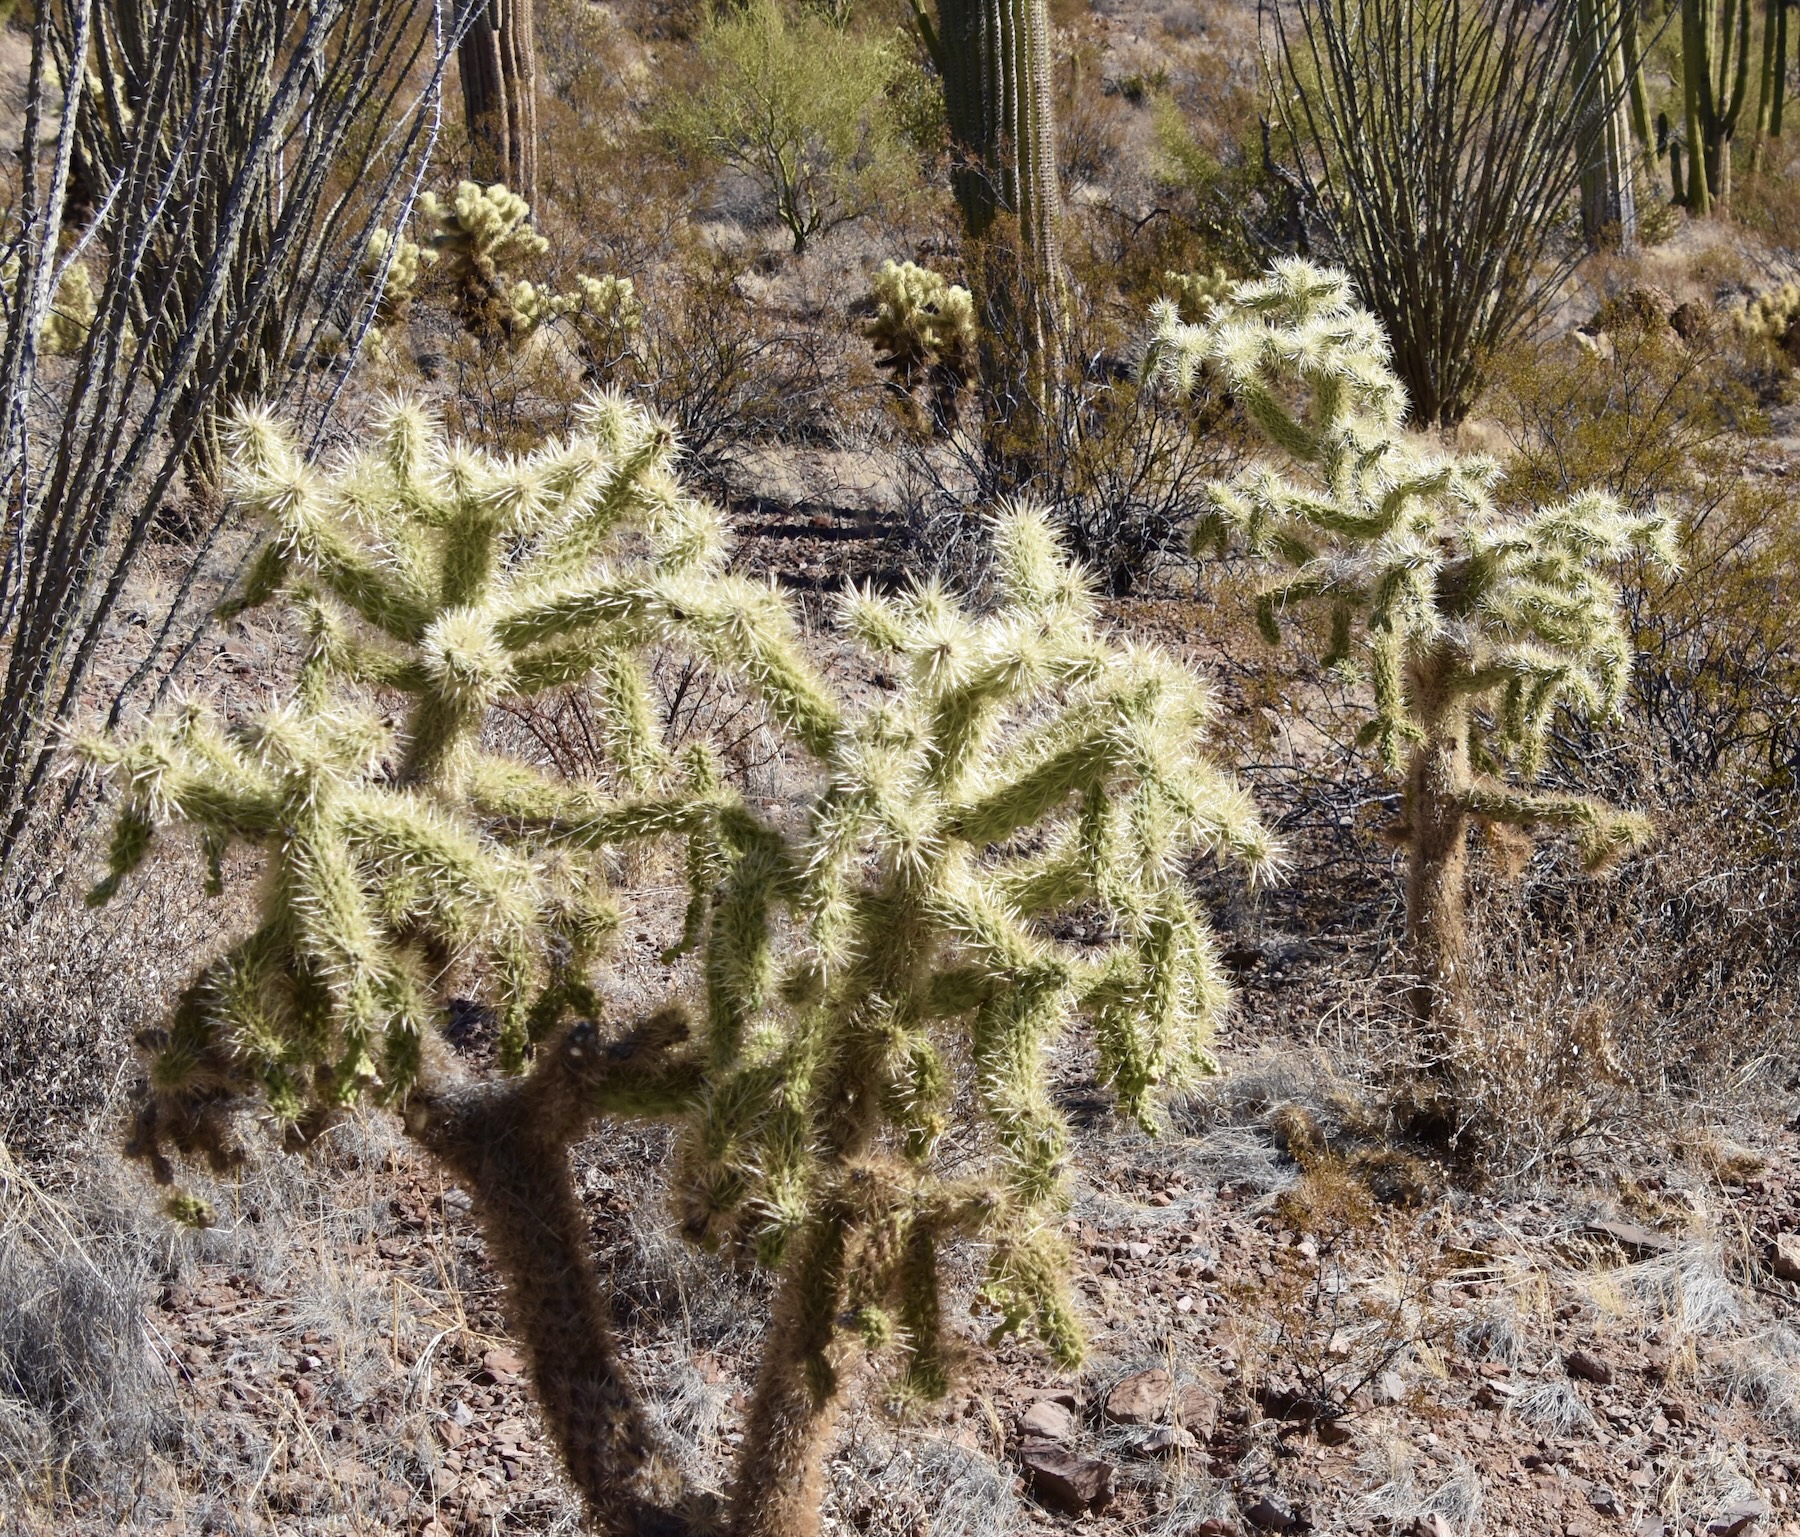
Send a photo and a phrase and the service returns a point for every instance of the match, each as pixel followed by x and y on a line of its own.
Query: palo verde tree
pixel 855 978
pixel 1470 627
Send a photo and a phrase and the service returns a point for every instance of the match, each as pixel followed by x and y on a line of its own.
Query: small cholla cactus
pixel 1197 295
pixel 924 327
pixel 606 318
pixel 479 236
pixel 72 311
pixel 1471 627
pixel 400 280
pixel 1773 320
pixel 996 847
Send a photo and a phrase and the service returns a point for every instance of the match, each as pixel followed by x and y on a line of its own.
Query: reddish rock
pixel 1047 1420
pixel 1589 1367
pixel 1066 1480
pixel 1784 1257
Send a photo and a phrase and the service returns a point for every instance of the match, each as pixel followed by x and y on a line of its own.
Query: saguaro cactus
pixel 1471 627
pixel 1715 75
pixel 496 59
pixel 1608 197
pixel 994 57
pixel 853 960
pixel 1771 95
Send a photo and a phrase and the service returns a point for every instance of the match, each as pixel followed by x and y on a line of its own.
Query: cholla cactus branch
pixel 1472 627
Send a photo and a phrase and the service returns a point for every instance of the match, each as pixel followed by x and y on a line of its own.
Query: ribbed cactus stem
pixel 497 62
pixel 1772 79
pixel 1715 68
pixel 994 56
pixel 1608 200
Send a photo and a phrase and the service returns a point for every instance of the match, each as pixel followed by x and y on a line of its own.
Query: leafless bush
pixel 235 159
pixel 1121 469
pixel 1439 149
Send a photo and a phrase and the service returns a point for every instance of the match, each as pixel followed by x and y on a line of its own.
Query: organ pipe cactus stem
pixel 1468 627
pixel 1715 69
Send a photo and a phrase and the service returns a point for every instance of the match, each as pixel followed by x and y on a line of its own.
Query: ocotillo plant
pixel 1471 627
pixel 871 972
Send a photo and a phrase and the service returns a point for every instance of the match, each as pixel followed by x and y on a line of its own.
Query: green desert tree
pixel 1469 627
pixel 858 975
pixel 799 105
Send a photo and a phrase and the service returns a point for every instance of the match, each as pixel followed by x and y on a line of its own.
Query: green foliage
pixel 800 106
pixel 868 974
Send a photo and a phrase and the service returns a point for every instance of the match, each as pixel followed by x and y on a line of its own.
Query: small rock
pixel 1390 1389
pixel 1333 1433
pixel 1215 1526
pixel 1164 1441
pixel 1269 1514
pixel 1066 1480
pixel 500 1367
pixel 1047 1420
pixel 1784 1257
pixel 450 1433
pixel 1588 1366
pixel 1137 1251
pixel 1736 1518
pixel 1652 1526
pixel 1604 1500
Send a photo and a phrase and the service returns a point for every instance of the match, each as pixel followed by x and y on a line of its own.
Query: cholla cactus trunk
pixel 497 63
pixel 994 56
pixel 1608 198
pixel 1469 627
pixel 1436 826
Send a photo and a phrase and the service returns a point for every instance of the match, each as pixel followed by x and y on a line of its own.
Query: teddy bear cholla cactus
pixel 1028 767
pixel 856 960
pixel 1474 626
pixel 925 328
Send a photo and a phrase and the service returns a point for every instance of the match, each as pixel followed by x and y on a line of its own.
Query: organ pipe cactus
pixel 1469 626
pixel 1715 73
pixel 994 847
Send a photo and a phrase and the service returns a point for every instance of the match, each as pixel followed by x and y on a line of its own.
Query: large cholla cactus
pixel 434 574
pixel 872 970
pixel 1472 626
